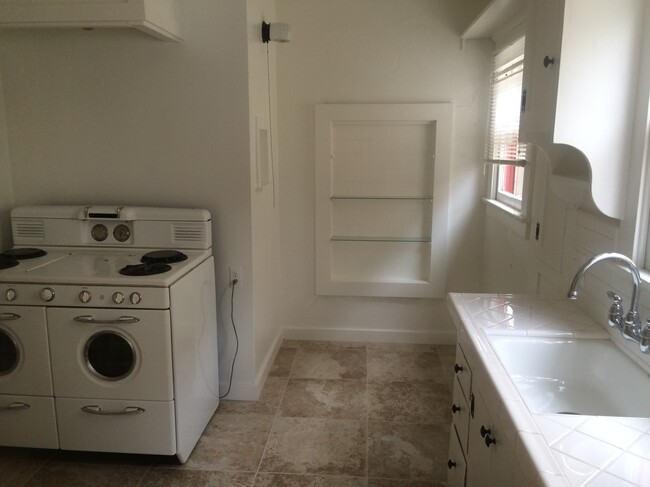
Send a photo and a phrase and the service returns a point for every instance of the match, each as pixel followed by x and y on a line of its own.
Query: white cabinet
pixel 155 17
pixel 460 409
pixel 580 75
pixel 478 446
pixel 491 454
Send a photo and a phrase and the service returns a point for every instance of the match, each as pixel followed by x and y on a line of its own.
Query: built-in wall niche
pixel 382 192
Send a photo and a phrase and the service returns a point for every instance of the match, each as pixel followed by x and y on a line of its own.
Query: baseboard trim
pixel 442 337
pixel 252 391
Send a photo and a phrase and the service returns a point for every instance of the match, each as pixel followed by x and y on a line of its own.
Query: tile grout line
pixel 367 397
pixel 275 416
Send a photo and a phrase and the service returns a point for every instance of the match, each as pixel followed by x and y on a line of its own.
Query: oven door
pixel 111 353
pixel 24 354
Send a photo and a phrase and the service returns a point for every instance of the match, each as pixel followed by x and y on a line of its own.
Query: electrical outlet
pixel 235 273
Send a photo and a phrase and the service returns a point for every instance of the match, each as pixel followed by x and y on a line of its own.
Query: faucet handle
pixel 615 297
pixel 645 331
pixel 615 316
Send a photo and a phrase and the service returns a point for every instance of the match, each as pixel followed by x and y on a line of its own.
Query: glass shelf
pixel 414 198
pixel 348 238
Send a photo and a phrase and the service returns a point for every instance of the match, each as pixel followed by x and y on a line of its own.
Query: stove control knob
pixel 118 298
pixel 135 298
pixel 85 296
pixel 47 294
pixel 11 294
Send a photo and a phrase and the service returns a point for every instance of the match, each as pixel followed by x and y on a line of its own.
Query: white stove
pixel 108 332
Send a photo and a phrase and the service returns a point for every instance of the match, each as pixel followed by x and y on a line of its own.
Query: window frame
pixel 516 211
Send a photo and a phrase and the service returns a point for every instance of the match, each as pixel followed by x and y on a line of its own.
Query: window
pixel 503 149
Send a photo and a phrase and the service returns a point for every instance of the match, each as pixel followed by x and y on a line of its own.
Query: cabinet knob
pixel 489 441
pixel 454 408
pixel 548 61
pixel 458 368
pixel 450 464
pixel 484 431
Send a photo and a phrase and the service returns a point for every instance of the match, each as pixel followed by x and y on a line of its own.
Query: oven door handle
pixel 122 320
pixel 9 316
pixel 98 410
pixel 15 406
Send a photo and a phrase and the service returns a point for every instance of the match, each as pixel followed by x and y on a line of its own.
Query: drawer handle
pixel 451 464
pixel 548 61
pixel 484 431
pixel 489 441
pixel 454 409
pixel 15 406
pixel 9 316
pixel 127 410
pixel 122 320
pixel 458 368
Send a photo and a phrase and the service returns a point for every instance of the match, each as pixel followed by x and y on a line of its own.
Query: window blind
pixel 503 145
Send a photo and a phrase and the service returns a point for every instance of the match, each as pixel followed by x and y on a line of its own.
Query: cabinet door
pixel 541 69
pixel 456 463
pixel 490 454
pixel 460 415
pixel 481 456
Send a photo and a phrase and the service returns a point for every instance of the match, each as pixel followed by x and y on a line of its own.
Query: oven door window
pixel 9 353
pixel 110 355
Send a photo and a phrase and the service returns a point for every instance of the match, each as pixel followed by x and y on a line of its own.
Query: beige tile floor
pixel 331 414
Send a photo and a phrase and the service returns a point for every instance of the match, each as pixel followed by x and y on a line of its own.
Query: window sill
pixel 514 220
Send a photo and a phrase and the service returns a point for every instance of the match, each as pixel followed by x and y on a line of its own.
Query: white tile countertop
pixel 557 449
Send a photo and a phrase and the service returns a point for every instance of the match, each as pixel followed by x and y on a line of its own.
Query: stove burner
pixel 6 262
pixel 144 269
pixel 23 253
pixel 163 256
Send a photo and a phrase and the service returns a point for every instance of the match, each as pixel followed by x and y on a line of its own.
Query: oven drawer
pixel 112 354
pixel 117 426
pixel 24 352
pixel 28 421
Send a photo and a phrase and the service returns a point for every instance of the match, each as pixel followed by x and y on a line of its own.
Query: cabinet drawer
pixel 28 421
pixel 117 426
pixel 456 463
pixel 460 415
pixel 463 373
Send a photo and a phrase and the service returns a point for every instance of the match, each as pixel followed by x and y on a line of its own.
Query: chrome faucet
pixel 630 327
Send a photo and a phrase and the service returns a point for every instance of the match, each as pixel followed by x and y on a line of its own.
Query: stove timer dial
pixel 121 233
pixel 10 294
pixel 85 296
pixel 118 298
pixel 99 232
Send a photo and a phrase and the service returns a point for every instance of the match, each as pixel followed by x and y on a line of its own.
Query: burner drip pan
pixel 6 262
pixel 163 256
pixel 23 253
pixel 144 269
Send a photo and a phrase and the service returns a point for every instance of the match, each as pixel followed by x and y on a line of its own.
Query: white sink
pixel 586 376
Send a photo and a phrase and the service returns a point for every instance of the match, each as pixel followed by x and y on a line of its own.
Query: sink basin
pixel 577 376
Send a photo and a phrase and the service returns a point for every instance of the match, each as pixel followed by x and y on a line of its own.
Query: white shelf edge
pixel 495 16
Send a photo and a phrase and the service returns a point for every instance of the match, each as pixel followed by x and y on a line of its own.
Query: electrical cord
pixel 268 84
pixel 232 320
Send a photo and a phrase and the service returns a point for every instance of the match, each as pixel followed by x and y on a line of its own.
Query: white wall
pixel 377 51
pixel 266 272
pixel 118 117
pixel 6 185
